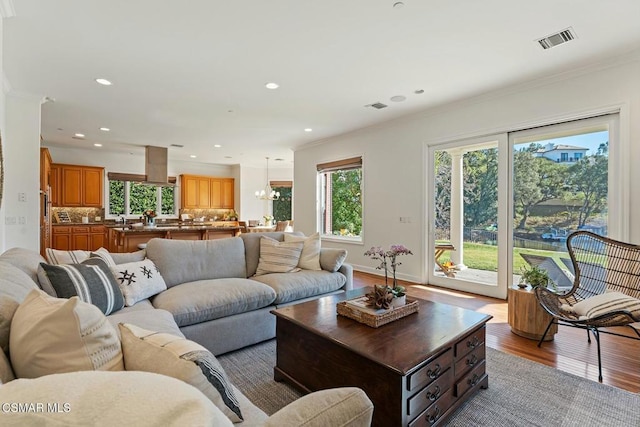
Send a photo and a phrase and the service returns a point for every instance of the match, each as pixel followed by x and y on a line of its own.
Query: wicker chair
pixel 601 265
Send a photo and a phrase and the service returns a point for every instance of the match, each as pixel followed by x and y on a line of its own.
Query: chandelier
pixel 267 193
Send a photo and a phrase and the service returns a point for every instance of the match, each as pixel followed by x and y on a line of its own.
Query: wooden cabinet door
pixel 203 193
pixel 45 168
pixel 216 193
pixel 228 193
pixel 96 241
pixel 92 187
pixel 80 242
pixel 61 238
pixel 189 191
pixel 55 182
pixel 71 186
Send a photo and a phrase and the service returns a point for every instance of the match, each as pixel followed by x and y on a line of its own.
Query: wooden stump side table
pixel 526 317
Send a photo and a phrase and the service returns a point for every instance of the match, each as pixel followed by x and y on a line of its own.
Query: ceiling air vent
pixel 378 105
pixel 557 38
pixel 177 145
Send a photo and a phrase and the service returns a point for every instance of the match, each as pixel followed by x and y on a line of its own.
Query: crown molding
pixel 6 9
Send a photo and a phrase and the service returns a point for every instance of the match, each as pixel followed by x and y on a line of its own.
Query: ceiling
pixel 193 73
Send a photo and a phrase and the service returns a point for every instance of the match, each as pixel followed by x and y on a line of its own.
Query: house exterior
pixel 560 153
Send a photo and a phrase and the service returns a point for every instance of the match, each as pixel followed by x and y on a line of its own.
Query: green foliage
pixel 443 191
pixel 588 180
pixel 142 197
pixel 167 200
pixel 480 171
pixel 346 201
pixel 535 276
pixel 282 206
pixel 116 197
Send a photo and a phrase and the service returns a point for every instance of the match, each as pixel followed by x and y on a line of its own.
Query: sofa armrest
pixel 338 407
pixel 347 270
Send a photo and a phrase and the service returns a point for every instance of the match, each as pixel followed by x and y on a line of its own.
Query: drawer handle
pixel 432 418
pixel 433 374
pixel 472 361
pixel 436 394
pixel 473 343
pixel 473 381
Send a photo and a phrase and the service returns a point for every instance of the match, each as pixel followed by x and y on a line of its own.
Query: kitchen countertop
pixel 161 228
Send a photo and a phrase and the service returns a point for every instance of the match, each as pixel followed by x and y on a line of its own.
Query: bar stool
pixel 142 246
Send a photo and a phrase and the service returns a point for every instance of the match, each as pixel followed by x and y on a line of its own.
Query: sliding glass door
pixel 503 203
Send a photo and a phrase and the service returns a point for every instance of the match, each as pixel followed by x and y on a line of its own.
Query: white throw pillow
pixel 138 280
pixel 310 256
pixel 179 358
pixel 56 256
pixel 607 303
pixel 278 257
pixel 53 335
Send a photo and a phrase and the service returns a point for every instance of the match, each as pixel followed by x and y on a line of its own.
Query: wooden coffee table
pixel 416 370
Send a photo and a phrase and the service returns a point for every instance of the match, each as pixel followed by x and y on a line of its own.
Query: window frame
pixel 347 163
pixel 134 178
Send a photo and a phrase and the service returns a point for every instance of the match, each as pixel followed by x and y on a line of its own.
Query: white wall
pixel 394 152
pixel 255 179
pixel 21 146
pixel 2 127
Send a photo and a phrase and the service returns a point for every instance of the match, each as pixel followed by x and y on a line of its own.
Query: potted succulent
pixel 535 276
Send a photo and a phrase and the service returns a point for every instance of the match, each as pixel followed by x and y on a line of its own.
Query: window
pixel 282 206
pixel 129 196
pixel 564 157
pixel 340 186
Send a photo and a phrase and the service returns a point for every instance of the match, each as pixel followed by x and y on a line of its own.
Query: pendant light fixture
pixel 267 193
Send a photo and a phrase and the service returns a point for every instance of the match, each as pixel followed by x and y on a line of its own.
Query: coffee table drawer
pixel 469 361
pixel 430 394
pixel 470 380
pixel 430 371
pixel 433 413
pixel 469 343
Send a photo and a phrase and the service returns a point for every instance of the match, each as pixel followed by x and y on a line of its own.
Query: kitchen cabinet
pixel 203 192
pixel 54 182
pixel 77 186
pixel 76 237
pixel 45 199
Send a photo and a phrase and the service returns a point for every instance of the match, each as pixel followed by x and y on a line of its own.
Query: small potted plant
pixel 388 259
pixel 535 276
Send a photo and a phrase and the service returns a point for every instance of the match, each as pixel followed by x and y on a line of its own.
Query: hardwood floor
pixel 569 351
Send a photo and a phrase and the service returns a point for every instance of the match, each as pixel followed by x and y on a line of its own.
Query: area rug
pixel 520 393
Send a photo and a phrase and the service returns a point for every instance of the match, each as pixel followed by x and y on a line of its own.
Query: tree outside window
pixel 133 198
pixel 341 205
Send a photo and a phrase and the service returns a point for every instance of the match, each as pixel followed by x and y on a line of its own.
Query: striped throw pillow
pixel 57 257
pixel 91 281
pixel 607 303
pixel 278 257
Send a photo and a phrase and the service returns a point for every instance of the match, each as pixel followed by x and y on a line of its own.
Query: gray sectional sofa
pixel 212 299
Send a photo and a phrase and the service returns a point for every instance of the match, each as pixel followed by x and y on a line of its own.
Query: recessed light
pixel 228 157
pixel 105 129
pixel 308 130
pixel 419 92
pixel 193 156
pixel 104 82
pixel 79 135
pixel 272 85
pixel 398 98
pixel 217 145
pixel 97 145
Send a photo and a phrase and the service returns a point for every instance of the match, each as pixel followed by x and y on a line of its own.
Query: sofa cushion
pixel 138 280
pixel 303 284
pixel 14 282
pixel 57 256
pixel 102 399
pixel 52 335
pixel 204 300
pixel 182 359
pixel 6 371
pixel 346 406
pixel 25 260
pixel 8 307
pixel 153 320
pixel 278 257
pixel 252 248
pixel 331 259
pixel 310 256
pixel 91 281
pixel 181 261
pixel 125 257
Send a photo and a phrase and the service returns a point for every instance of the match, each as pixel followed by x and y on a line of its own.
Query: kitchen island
pixel 127 239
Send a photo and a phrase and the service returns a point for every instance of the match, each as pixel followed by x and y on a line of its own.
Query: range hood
pixel 155 165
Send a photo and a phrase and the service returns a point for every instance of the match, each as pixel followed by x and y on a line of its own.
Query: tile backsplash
pixel 76 214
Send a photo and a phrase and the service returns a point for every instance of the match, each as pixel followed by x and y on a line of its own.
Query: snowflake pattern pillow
pixel 138 280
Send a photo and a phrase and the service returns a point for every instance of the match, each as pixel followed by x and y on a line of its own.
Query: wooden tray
pixel 376 319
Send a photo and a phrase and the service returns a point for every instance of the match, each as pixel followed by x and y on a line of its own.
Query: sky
pixel 590 140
